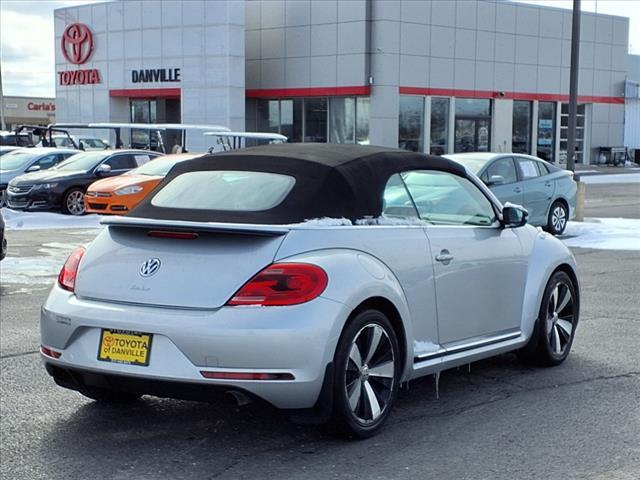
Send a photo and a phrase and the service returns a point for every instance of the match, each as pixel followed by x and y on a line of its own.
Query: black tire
pixel 558 218
pixel 104 395
pixel 555 328
pixel 69 202
pixel 371 391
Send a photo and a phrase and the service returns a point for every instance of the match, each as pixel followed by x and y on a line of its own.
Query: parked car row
pixel 546 191
pixel 57 179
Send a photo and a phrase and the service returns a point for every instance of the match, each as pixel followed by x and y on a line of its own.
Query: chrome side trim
pixel 468 346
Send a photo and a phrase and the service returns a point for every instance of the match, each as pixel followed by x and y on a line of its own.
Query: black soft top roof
pixel 331 181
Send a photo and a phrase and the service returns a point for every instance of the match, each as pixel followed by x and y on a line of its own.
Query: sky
pixel 27 48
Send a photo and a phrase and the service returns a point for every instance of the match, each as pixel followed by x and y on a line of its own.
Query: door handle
pixel 517 189
pixel 547 184
pixel 444 257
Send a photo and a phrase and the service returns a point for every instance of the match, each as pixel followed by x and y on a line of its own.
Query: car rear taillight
pixel 67 276
pixel 247 376
pixel 49 352
pixel 172 234
pixel 282 284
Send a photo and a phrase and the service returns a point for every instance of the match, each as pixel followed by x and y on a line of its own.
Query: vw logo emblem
pixel 77 43
pixel 150 267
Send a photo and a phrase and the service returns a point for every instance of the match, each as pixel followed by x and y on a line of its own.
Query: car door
pixel 538 189
pixel 479 267
pixel 511 189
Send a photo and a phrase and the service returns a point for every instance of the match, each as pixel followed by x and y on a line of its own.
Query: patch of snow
pixel 36 271
pixel 515 205
pixel 384 220
pixel 613 178
pixel 326 222
pixel 604 234
pixel 420 348
pixel 17 220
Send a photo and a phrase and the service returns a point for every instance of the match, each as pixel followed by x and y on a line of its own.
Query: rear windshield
pixel 225 190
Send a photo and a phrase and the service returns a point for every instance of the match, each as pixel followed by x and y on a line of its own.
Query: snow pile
pixel 327 222
pixel 16 220
pixel 613 178
pixel 367 221
pixel 421 348
pixel 383 220
pixel 604 234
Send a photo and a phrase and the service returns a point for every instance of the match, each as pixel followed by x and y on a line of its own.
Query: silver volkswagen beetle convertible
pixel 315 277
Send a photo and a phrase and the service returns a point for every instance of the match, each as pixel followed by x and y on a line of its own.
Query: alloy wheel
pixel 370 373
pixel 75 203
pixel 560 321
pixel 558 218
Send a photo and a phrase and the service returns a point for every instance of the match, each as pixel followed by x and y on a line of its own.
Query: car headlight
pixel 44 186
pixel 129 190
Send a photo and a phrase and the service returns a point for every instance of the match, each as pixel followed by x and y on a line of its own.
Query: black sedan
pixel 63 187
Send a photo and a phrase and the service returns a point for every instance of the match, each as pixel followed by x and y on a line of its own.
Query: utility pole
pixel 2 124
pixel 573 86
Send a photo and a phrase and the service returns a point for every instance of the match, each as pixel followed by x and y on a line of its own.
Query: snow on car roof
pixel 331 181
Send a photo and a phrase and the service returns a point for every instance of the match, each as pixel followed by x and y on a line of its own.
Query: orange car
pixel 118 195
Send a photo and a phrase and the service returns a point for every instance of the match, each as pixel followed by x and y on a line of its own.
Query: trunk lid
pixel 200 273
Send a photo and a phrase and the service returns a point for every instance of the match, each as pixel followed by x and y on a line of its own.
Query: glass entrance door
pixel 472 134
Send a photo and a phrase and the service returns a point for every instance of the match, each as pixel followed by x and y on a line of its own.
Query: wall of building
pixel 205 40
pixel 486 49
pixel 28 110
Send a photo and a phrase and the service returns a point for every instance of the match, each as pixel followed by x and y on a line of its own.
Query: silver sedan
pixel 315 277
pixel 546 191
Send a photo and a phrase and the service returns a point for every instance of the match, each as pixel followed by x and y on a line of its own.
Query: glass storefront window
pixel 268 116
pixel 546 131
pixel 439 126
pixel 473 107
pixel 342 122
pixel 564 129
pixel 362 120
pixel 521 136
pixel 291 119
pixel 472 125
pixel 411 123
pixel 315 120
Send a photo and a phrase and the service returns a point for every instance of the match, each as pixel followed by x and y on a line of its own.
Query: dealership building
pixel 438 76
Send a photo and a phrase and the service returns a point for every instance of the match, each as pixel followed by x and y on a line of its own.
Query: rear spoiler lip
pixel 184 225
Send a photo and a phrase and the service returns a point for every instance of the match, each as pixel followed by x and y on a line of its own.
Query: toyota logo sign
pixel 150 267
pixel 77 43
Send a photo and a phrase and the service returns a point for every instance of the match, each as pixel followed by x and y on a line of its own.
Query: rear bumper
pixel 299 340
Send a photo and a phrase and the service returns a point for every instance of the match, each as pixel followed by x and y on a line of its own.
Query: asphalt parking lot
pixel 496 419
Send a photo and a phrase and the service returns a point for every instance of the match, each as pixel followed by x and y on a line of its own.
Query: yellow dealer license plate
pixel 122 346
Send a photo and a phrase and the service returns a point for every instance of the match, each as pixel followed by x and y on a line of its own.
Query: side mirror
pixel 103 169
pixel 495 180
pixel 33 168
pixel 514 215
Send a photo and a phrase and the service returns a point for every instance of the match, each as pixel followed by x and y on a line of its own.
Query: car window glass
pixel 141 159
pixel 527 168
pixel 446 199
pixel 503 167
pixel 542 169
pixel 226 190
pixel 121 162
pixel 47 161
pixel 396 200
